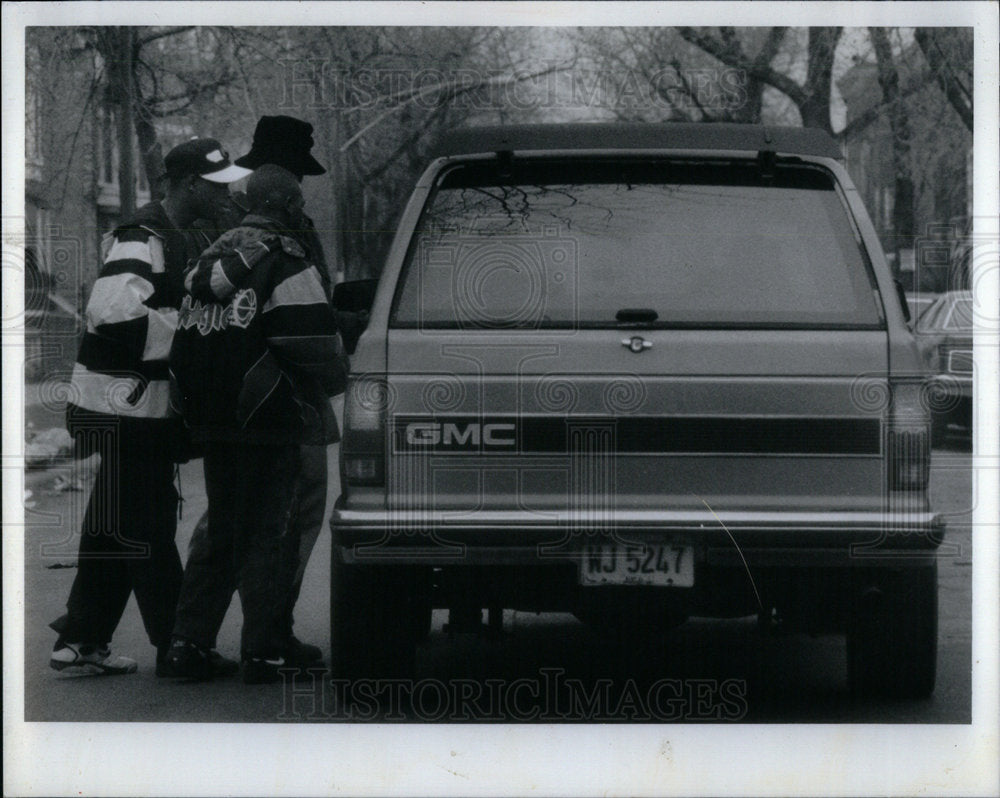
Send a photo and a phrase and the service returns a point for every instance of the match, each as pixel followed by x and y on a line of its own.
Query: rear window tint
pixel 571 244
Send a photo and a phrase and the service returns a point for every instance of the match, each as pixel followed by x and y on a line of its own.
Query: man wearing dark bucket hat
pixel 286 142
pixel 119 408
pixel 254 362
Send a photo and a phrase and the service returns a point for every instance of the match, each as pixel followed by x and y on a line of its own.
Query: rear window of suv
pixel 570 244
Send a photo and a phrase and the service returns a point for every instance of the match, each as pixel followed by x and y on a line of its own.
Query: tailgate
pixel 735 419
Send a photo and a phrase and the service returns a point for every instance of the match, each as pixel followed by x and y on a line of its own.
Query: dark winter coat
pixel 257 354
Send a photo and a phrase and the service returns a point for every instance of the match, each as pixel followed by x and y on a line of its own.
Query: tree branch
pixel 163 33
pixel 451 90
pixel 960 100
pixel 405 145
pixel 732 55
pixel 871 115
pixel 770 47
pixel 189 94
pixel 686 88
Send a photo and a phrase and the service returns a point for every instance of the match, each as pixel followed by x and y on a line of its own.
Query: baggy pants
pixel 203 593
pixel 126 545
pixel 250 493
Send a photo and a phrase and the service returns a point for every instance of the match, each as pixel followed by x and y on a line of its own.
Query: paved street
pixel 768 679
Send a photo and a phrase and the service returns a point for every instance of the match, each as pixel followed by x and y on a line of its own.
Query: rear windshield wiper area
pixel 636 317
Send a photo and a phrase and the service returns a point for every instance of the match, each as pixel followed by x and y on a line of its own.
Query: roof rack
pixel 637 136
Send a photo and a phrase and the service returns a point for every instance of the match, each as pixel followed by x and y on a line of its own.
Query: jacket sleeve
pixel 313 246
pixel 117 310
pixel 301 328
pixel 225 265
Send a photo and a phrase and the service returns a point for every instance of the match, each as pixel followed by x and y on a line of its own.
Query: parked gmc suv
pixel 639 373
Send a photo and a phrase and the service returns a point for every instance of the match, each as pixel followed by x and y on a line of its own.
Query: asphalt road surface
pixel 546 667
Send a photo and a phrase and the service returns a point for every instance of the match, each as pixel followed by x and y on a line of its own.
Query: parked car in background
pixel 918 302
pixel 944 335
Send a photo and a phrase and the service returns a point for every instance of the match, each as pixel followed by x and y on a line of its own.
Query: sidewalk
pixel 51 541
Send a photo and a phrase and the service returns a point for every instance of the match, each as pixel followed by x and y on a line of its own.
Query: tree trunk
pixel 959 97
pixel 123 89
pixel 815 107
pixel 152 155
pixel 750 111
pixel 902 212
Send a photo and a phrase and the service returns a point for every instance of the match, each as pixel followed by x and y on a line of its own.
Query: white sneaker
pixel 87 659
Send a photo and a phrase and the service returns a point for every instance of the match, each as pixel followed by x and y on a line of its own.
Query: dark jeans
pixel 250 491
pixel 307 518
pixel 204 591
pixel 126 544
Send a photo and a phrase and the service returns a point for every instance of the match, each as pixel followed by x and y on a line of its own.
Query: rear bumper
pixel 739 539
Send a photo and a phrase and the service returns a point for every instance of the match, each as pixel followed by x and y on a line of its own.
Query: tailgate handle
pixel 636 343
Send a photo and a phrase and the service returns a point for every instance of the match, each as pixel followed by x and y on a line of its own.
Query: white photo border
pixel 311 759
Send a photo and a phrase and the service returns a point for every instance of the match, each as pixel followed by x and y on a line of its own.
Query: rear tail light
pixel 362 450
pixel 909 436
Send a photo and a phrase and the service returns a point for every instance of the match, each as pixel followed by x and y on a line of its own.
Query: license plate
pixel 663 564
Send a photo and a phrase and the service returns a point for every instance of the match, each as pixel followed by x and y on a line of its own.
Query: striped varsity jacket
pixel 121 375
pixel 257 353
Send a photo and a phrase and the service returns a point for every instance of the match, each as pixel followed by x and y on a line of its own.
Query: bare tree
pixel 899 125
pixel 151 74
pixel 380 95
pixel 954 81
pixel 678 80
pixel 812 98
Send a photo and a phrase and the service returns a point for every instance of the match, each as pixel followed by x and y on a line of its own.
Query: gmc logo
pixel 471 434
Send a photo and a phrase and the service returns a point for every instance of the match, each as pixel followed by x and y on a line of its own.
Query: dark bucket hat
pixel 283 141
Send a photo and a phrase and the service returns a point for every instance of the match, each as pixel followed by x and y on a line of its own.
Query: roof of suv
pixel 637 136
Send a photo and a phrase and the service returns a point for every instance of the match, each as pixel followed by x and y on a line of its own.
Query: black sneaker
pixel 303 654
pixel 258 670
pixel 222 666
pixel 186 660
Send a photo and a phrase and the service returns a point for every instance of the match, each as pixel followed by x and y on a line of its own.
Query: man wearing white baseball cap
pixel 119 408
pixel 203 158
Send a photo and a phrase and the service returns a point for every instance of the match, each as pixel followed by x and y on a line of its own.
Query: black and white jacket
pixel 120 377
pixel 257 353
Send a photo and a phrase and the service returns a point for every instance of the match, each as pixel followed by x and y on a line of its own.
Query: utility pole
pixel 120 59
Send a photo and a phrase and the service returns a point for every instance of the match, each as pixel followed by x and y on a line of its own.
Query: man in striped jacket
pixel 119 407
pixel 254 362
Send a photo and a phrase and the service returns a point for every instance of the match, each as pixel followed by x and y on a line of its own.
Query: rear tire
pixel 892 642
pixel 939 429
pixel 373 621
